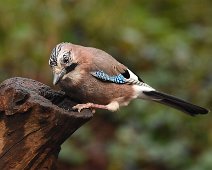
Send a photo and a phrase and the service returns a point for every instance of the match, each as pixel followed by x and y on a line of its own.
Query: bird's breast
pixel 87 88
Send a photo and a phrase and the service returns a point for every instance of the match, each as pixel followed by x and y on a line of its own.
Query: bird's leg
pixel 93 106
pixel 113 106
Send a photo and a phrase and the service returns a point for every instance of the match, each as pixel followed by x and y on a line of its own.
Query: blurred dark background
pixel 167 43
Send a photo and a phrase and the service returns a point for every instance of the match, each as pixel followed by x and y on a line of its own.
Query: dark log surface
pixel 34 121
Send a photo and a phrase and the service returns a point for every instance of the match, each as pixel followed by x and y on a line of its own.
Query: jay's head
pixel 61 61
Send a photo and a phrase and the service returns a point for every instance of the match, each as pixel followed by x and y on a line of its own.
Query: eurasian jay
pixel 99 81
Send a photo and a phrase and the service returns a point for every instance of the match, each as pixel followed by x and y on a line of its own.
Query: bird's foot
pixel 113 106
pixel 92 106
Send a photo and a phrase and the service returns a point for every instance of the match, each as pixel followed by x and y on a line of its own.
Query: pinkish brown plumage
pixel 98 80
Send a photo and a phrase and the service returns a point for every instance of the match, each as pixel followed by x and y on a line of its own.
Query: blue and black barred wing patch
pixel 119 79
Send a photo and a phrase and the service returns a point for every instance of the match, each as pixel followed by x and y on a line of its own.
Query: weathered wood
pixel 34 121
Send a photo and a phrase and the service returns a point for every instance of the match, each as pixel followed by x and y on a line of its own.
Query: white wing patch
pixel 135 81
pixel 138 86
pixel 132 75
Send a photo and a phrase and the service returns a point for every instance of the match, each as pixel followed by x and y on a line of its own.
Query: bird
pixel 98 81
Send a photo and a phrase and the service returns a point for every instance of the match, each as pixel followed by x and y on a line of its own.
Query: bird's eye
pixel 65 59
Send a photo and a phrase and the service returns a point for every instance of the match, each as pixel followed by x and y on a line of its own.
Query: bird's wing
pixel 106 68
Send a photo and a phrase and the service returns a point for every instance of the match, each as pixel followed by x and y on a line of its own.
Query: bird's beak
pixel 58 76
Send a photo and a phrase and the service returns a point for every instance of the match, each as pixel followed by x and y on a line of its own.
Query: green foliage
pixel 167 43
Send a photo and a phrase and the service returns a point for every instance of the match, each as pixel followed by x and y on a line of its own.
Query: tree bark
pixel 34 121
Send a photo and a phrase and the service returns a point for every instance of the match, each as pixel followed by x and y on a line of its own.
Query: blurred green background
pixel 167 43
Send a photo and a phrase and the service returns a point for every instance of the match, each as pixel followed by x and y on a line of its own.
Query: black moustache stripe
pixel 71 67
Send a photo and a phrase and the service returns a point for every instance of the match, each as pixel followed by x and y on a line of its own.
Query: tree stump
pixel 34 121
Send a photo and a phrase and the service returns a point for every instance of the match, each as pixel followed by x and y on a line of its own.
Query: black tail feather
pixel 174 102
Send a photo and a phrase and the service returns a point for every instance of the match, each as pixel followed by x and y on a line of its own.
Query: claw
pixel 77 107
pixel 80 107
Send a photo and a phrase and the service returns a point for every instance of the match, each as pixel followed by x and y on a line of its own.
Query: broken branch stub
pixel 34 121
